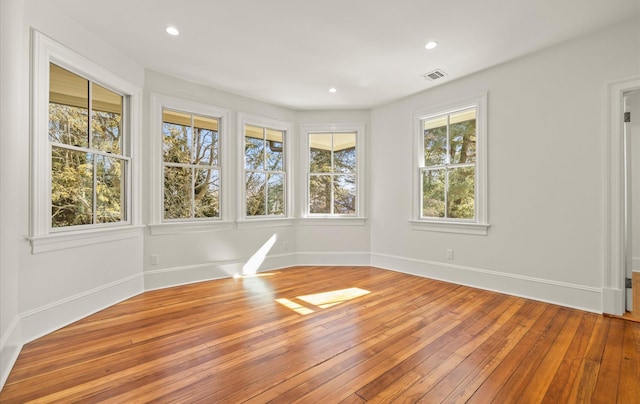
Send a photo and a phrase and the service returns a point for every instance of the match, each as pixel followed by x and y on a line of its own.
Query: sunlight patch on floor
pixel 322 300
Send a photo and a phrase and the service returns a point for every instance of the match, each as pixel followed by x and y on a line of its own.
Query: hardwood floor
pixel 396 338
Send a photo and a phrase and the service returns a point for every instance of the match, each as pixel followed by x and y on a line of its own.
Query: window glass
pixel 449 171
pixel 88 166
pixel 332 173
pixel 191 153
pixel 265 177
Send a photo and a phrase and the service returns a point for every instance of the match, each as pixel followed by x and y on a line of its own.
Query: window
pixel 191 165
pixel 85 175
pixel 451 179
pixel 190 175
pixel 332 157
pixel 332 173
pixel 89 157
pixel 264 171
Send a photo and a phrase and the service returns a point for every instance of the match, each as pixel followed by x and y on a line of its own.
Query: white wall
pixel 546 125
pixel 546 122
pixel 188 256
pixel 45 291
pixel 12 101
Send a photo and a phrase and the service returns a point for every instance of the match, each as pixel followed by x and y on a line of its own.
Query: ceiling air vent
pixel 434 75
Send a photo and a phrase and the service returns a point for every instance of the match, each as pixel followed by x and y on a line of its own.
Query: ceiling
pixel 290 52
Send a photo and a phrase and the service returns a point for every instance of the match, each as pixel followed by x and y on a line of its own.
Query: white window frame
pixel 307 218
pixel 479 225
pixel 42 236
pixel 245 221
pixel 158 225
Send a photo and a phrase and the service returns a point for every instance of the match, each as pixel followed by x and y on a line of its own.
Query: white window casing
pixel 479 225
pixel 307 218
pixel 157 224
pixel 286 219
pixel 41 234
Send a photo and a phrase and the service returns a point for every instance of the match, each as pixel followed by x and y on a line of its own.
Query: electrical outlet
pixel 155 259
pixel 285 245
pixel 449 253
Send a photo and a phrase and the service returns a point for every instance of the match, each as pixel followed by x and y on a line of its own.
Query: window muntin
pixel 89 164
pixel 448 173
pixel 332 177
pixel 264 171
pixel 191 166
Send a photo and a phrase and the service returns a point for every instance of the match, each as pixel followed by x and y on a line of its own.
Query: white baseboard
pixel 635 264
pixel 168 277
pixel 10 347
pixel 334 258
pixel 44 320
pixel 565 294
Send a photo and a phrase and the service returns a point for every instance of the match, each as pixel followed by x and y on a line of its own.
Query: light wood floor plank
pixel 408 339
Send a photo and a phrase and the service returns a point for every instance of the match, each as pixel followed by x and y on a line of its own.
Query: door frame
pixel 613 291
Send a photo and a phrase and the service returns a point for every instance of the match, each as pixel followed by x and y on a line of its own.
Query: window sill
pixel 71 239
pixel 451 227
pixel 332 221
pixel 188 227
pixel 264 223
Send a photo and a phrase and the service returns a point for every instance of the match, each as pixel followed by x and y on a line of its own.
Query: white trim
pixel 635 264
pixel 183 275
pixel 59 241
pixel 332 221
pixel 263 222
pixel 10 347
pixel 158 103
pixel 613 197
pixel 481 221
pixel 562 293
pixel 347 258
pixel 255 120
pixel 188 227
pixel 53 316
pixel 361 167
pixel 451 227
pixel 44 51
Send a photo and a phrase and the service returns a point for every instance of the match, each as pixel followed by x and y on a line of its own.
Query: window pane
pixel 177 137
pixel 433 193
pixel 255 184
pixel 207 193
pixel 344 152
pixel 106 120
pixel 320 145
pixel 344 194
pixel 435 141
pixel 320 194
pixel 206 147
pixel 275 155
pixel 460 194
pixel 275 194
pixel 178 187
pixel 68 107
pixel 462 132
pixel 110 191
pixel 71 187
pixel 253 148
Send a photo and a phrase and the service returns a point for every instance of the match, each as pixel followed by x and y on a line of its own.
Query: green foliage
pixel 330 192
pixel 76 199
pixel 452 175
pixel 191 176
pixel 264 177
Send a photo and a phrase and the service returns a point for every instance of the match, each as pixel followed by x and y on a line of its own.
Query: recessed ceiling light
pixel 172 31
pixel 332 90
pixel 431 45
